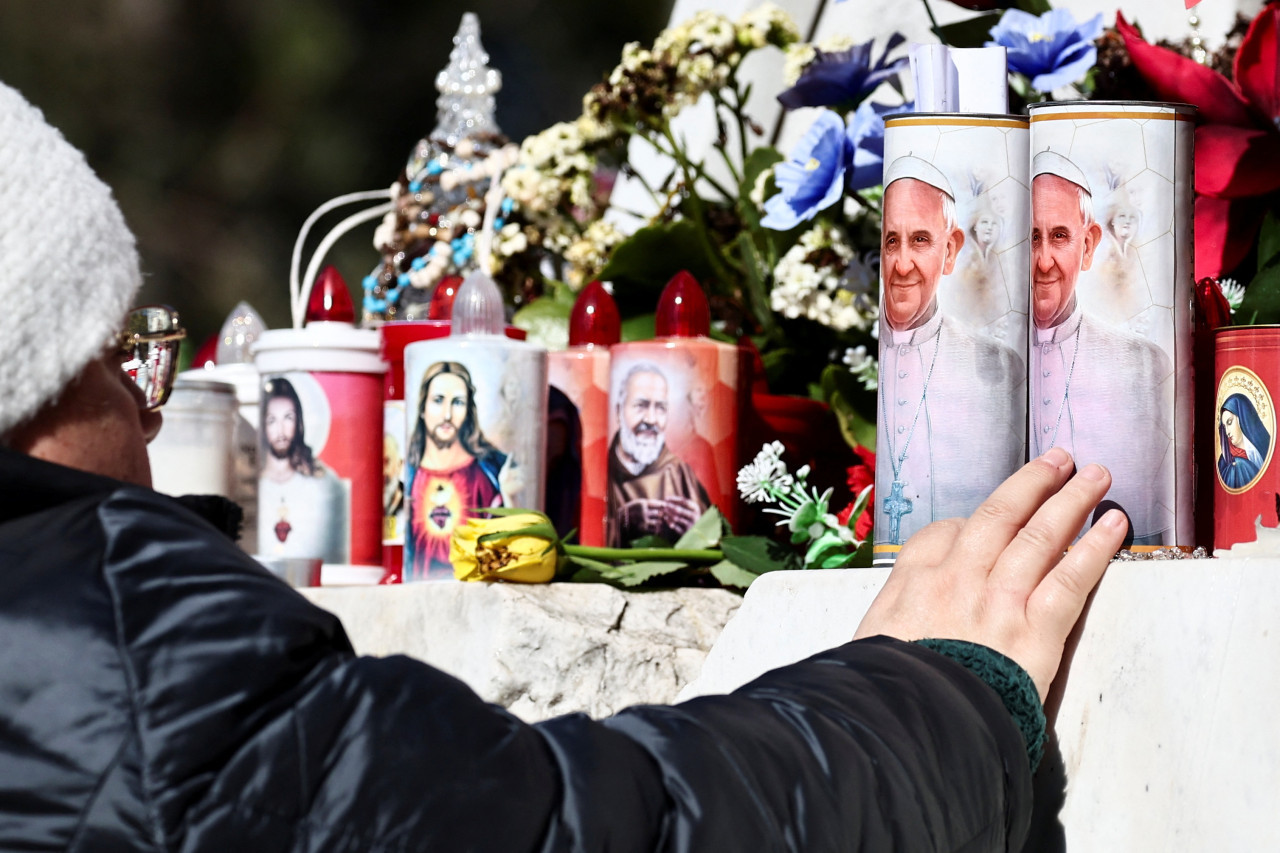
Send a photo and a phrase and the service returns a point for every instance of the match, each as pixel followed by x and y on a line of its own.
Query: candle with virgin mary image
pixel 1243 421
pixel 951 422
pixel 1111 276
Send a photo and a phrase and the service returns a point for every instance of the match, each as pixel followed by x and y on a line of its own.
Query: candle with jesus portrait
pixel 475 426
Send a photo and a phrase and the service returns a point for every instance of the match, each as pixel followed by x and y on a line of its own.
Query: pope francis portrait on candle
pixel 952 409
pixel 1103 394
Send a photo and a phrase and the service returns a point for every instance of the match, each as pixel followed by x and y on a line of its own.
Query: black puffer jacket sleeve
pixel 255 727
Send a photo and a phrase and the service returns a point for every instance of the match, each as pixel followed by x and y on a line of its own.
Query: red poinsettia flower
pixel 1237 142
pixel 859 477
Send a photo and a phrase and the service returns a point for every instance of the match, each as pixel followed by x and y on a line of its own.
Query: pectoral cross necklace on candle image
pixel 896 505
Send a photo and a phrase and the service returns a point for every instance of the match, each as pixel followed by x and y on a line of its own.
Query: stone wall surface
pixel 541 650
pixel 1162 718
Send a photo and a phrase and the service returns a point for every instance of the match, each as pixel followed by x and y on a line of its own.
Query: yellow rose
pixel 522 555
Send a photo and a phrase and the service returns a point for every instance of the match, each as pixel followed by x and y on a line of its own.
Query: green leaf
pixel 808 513
pixel 586 576
pixel 541 530
pixel 649 541
pixel 642 264
pixel 974 32
pixel 639 328
pixel 757 162
pixel 546 320
pixel 1035 7
pixel 590 575
pixel 756 275
pixel 758 554
pixel 846 396
pixel 731 574
pixel 837 561
pixel 705 533
pixel 588 563
pixel 839 380
pixel 822 548
pixel 507 510
pixel 861 558
pixel 1269 242
pixel 860 504
pixel 559 291
pixel 1261 303
pixel 634 574
pixel 853 426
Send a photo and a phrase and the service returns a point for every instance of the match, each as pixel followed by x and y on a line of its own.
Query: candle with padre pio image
pixel 1111 247
pixel 951 422
pixel 476 415
pixel 673 417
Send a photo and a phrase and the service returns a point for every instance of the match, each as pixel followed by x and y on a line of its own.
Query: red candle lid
pixel 330 300
pixel 1215 311
pixel 441 305
pixel 207 355
pixel 594 321
pixel 682 309
pixel 395 336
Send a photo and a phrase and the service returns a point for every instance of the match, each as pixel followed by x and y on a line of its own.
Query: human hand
pixel 1000 578
pixel 680 513
pixel 642 515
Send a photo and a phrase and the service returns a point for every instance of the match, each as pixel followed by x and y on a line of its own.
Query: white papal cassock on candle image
pixel 951 422
pixel 1111 293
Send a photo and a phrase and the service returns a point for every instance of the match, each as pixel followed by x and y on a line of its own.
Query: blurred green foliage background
pixel 221 124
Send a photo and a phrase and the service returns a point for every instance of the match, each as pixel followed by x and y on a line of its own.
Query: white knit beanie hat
pixel 68 264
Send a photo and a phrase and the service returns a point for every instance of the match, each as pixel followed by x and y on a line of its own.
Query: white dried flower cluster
pixel 534 190
pixel 806 286
pixel 766 476
pixel 713 31
pixel 766 24
pixel 554 186
pixel 554 149
pixel 554 183
pixel 1233 291
pixel 796 60
pixel 800 55
pixel 863 366
pixel 510 240
pixel 588 254
pixel 699 72
pixel 836 42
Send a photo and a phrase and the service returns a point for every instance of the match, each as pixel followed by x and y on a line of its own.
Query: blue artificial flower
pixel 813 178
pixel 1052 49
pixel 866 137
pixel 843 76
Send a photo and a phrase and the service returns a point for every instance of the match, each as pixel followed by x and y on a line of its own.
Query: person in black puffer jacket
pixel 161 691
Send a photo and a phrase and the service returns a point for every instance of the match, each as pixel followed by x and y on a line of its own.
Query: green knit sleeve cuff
pixel 1009 680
